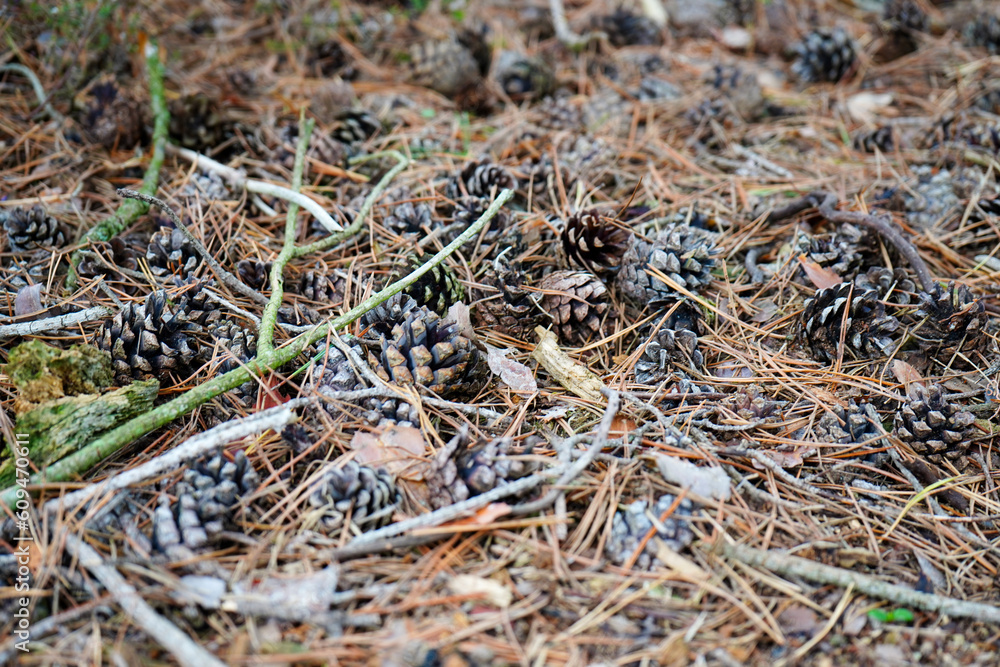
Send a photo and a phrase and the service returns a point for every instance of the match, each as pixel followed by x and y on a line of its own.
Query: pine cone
pixel 463 469
pixel 197 122
pixel 329 59
pixel 234 345
pixel 577 302
pixel 595 242
pixel 117 254
pixel 437 289
pixel 205 502
pixel 508 308
pixel 892 285
pixel 681 252
pixel 254 273
pixel 357 492
pixel 632 523
pixel 381 319
pixel 625 28
pixel 954 321
pixel 445 66
pixel 171 252
pixel 500 235
pixel 933 427
pixel 868 140
pixel 676 341
pixel 740 89
pixel 315 285
pixel 431 354
pixel 559 114
pixel 31 229
pixel 843 252
pixel 410 218
pixel 111 114
pixel 525 77
pixel 853 425
pixel 905 15
pixel 868 326
pixel 480 179
pixel 824 55
pixel 984 31
pixel 356 126
pixel 148 341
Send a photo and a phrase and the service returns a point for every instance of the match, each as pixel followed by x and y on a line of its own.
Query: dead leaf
pixel 484 516
pixel 710 482
pixel 28 300
pixel 790 459
pixel 459 314
pixel 514 374
pixel 490 590
pixel 819 276
pixel 398 449
pixel 768 309
pixel 570 374
pixel 906 374
pixel 270 397
pixel 621 426
pixel 865 107
pixel 799 620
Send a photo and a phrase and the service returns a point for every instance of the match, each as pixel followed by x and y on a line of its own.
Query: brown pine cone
pixel 933 427
pixel 508 307
pixel 595 242
pixel 254 273
pixel 431 354
pixel 868 328
pixel 577 301
pixel 111 113
pixel 463 469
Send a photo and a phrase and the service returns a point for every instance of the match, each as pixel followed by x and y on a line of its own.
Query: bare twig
pixel 36 85
pixel 178 644
pixel 793 566
pixel 824 202
pixel 54 323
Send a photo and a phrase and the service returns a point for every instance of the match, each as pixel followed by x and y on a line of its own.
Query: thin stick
pixel 824 202
pixel 794 566
pixel 229 279
pixel 53 323
pixel 600 440
pixel 265 330
pixel 178 644
pixel 238 179
pixel 270 419
pixel 43 98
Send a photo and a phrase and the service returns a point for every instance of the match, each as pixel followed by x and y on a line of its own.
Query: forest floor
pixel 716 384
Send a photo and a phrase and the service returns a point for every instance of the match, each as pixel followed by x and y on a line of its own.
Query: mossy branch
pixel 111 442
pixel 269 319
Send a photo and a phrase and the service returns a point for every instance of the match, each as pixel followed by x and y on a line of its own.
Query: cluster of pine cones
pixel 585 273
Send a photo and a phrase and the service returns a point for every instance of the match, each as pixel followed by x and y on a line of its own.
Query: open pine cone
pixel 595 242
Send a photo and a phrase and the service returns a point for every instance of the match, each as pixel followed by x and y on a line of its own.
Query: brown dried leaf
pixel 398 449
pixel 790 459
pixel 906 374
pixel 820 277
pixel 799 620
pixel 28 300
pixel 514 374
pixel 484 516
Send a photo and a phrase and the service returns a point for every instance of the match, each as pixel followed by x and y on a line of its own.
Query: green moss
pixel 42 372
